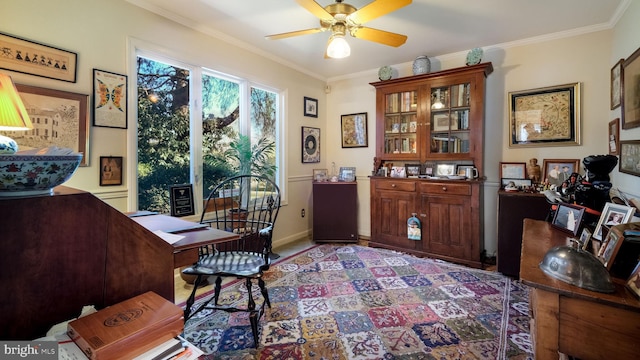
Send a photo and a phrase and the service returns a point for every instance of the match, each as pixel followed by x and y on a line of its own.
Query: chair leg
pixel 253 314
pixel 265 293
pixel 192 298
pixel 217 290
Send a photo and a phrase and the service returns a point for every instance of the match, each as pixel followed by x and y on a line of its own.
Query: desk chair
pixel 248 206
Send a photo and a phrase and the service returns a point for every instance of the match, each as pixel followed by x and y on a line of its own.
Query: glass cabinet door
pixel 449 123
pixel 401 123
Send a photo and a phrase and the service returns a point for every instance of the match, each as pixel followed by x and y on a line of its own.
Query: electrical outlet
pixel 302 212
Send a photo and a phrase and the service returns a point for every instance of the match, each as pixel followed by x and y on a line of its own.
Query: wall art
pixel 310 107
pixel 310 144
pixel 110 170
pixel 109 99
pixel 631 91
pixel 32 58
pixel 547 116
pixel 354 130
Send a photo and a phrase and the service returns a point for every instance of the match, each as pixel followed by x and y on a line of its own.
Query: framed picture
pixel 609 249
pixel 513 170
pixel 568 218
pixel 64 120
pixel 310 144
pixel 110 170
pixel 320 175
pixel 630 157
pixel 547 116
pixel 347 174
pixel 109 99
pixel 614 137
pixel 520 183
pixel 461 169
pixel 585 238
pixel 612 214
pixel 398 172
pixel 633 283
pixel 181 197
pixel 616 84
pixel 310 107
pixel 556 171
pixel 354 130
pixel 33 58
pixel 631 91
pixel 412 170
pixel 445 169
pixel 441 122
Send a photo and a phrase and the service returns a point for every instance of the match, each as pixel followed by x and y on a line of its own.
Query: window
pixel 187 119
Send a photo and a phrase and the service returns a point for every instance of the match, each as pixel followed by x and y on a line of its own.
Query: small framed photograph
pixel 110 170
pixel 310 145
pixel 519 183
pixel 556 171
pixel 585 238
pixel 568 218
pixel 354 130
pixel 616 84
pixel 609 249
pixel 614 137
pixel 412 170
pixel 310 107
pixel 398 172
pixel 461 170
pixel 630 157
pixel 441 122
pixel 547 116
pixel 631 91
pixel 513 170
pixel 612 214
pixel 347 174
pixel 633 283
pixel 109 99
pixel 445 169
pixel 320 175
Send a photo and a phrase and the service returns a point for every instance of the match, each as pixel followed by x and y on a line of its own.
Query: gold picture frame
pixel 616 84
pixel 631 91
pixel 71 128
pixel 556 171
pixel 548 116
pixel 354 130
pixel 29 57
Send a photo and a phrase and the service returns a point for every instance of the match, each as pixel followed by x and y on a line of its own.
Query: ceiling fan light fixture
pixel 338 47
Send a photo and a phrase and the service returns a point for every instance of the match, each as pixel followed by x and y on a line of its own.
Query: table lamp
pixel 13 115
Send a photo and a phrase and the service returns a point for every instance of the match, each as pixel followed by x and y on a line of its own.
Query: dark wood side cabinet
pixel 335 212
pixel 513 208
pixel 68 250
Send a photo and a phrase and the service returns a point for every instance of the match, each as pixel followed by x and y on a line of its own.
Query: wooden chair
pixel 247 205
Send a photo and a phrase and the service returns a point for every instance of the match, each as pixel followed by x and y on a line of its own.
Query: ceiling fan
pixel 341 18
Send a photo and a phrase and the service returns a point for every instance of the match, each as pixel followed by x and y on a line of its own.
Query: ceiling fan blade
pixel 376 9
pixel 315 8
pixel 294 33
pixel 379 36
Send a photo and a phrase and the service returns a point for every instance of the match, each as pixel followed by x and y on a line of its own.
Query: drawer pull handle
pixel 444 188
pixel 393 185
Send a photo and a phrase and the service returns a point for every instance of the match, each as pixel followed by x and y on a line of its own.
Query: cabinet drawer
pixel 446 188
pixel 396 185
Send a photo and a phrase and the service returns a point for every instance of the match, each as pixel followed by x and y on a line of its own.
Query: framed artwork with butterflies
pixel 109 99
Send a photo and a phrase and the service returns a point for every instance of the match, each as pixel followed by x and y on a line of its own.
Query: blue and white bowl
pixel 26 175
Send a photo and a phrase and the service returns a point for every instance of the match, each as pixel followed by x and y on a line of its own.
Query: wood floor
pixel 183 290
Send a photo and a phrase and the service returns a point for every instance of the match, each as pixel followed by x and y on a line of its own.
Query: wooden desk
pixel 572 320
pixel 185 251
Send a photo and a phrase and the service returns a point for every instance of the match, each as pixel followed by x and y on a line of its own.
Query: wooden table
pixel 571 320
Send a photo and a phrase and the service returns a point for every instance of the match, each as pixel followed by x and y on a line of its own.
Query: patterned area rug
pixel 354 302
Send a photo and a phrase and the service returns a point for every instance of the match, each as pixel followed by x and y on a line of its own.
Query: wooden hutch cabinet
pixel 434 120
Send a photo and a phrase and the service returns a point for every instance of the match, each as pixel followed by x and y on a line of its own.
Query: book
pixel 127 329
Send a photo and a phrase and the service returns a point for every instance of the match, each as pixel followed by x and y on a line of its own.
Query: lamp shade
pixel 13 115
pixel 338 47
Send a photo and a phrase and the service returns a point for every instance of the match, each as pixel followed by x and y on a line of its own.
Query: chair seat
pixel 236 263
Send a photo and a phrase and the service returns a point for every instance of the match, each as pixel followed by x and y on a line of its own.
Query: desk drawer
pixel 396 185
pixel 446 188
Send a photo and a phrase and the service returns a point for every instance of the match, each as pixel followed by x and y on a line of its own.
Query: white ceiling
pixel 433 27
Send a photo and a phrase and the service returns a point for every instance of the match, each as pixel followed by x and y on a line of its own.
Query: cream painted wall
pixel 99 31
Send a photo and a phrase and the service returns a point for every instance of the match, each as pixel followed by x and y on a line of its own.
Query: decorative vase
pixel 421 65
